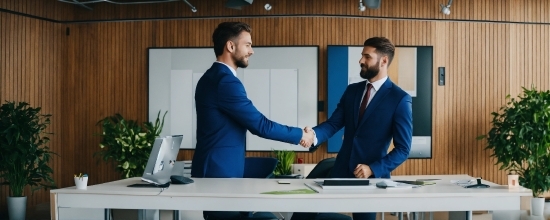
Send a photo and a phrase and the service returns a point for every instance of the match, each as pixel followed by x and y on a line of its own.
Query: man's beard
pixel 371 72
pixel 240 63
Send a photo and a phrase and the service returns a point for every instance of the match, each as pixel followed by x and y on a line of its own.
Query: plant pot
pixel 81 182
pixel 17 207
pixel 513 181
pixel 537 206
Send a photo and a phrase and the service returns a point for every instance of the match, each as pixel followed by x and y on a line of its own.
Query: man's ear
pixel 230 46
pixel 384 61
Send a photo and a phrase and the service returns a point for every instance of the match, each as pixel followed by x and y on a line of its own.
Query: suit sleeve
pixel 334 123
pixel 234 102
pixel 402 138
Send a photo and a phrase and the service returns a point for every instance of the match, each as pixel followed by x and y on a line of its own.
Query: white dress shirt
pixel 375 87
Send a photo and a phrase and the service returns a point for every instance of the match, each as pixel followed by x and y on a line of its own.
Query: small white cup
pixel 513 180
pixel 81 182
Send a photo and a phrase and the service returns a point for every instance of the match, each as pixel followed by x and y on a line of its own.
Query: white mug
pixel 81 182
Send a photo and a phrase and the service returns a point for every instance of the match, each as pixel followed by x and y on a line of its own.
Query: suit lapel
pixel 376 100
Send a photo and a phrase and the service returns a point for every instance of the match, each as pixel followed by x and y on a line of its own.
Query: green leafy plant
pixel 286 159
pixel 520 139
pixel 127 143
pixel 24 155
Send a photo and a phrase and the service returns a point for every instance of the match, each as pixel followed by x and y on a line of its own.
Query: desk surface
pixel 245 195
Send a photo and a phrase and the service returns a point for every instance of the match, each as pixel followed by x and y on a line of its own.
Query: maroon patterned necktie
pixel 364 102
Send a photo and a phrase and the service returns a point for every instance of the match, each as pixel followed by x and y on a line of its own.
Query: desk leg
pixel 460 215
pixel 176 215
pixel 54 210
pixel 107 214
pixel 400 215
pixel 141 214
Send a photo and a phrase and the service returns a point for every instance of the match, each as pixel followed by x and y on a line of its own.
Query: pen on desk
pixel 311 187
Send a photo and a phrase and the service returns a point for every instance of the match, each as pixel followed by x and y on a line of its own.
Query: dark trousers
pixel 326 216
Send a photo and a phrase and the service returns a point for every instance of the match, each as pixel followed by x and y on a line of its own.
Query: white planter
pixel 513 181
pixel 537 206
pixel 17 207
pixel 81 182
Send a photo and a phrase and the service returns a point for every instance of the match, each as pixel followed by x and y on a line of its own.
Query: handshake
pixel 308 136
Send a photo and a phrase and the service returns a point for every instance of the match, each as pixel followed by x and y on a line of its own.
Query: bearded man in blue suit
pixel 372 119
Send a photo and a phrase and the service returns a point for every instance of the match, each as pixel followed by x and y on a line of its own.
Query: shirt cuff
pixel 314 138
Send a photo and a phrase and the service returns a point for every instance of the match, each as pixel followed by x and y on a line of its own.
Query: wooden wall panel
pixel 46 9
pixel 484 62
pixel 32 56
pixel 481 10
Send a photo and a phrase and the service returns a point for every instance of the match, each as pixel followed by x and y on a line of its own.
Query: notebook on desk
pixel 344 184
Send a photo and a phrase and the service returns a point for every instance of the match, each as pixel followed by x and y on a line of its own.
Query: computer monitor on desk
pixel 162 160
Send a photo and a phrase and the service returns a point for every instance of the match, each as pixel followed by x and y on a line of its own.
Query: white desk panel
pixel 245 195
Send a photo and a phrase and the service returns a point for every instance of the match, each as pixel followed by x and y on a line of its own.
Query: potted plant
pixel 24 155
pixel 520 141
pixel 284 166
pixel 127 143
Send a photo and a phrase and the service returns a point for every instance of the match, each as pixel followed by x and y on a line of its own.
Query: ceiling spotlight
pixel 193 9
pixel 446 9
pixel 267 7
pixel 361 6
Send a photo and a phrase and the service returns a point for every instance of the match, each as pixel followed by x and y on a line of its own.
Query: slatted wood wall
pixel 32 65
pixel 101 67
pixel 482 61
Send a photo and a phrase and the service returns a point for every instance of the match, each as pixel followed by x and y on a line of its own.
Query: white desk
pixel 244 195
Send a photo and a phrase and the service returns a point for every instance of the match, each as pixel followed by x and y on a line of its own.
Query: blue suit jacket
pixel 224 113
pixel 388 116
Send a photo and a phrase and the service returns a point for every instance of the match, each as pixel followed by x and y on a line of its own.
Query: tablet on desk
pixel 350 182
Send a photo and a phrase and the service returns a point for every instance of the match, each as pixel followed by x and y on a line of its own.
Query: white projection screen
pixel 282 83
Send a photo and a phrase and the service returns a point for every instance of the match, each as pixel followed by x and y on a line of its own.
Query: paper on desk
pixel 389 184
pixel 295 191
pixel 464 183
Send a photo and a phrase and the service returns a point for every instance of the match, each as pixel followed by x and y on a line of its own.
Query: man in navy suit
pixel 224 113
pixel 372 119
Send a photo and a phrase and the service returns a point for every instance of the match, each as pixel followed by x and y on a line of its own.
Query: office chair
pixel 322 170
pixel 259 167
pixel 254 167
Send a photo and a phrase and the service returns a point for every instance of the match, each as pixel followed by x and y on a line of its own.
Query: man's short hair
pixel 383 46
pixel 227 31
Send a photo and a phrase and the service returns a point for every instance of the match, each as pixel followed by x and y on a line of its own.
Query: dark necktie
pixel 364 102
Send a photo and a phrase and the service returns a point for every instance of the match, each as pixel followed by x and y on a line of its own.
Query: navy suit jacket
pixel 388 116
pixel 224 114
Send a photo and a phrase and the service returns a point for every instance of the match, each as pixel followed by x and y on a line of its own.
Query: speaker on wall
pixel 237 4
pixel 441 76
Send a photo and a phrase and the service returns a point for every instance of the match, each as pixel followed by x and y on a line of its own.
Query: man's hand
pixel 307 137
pixel 362 171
